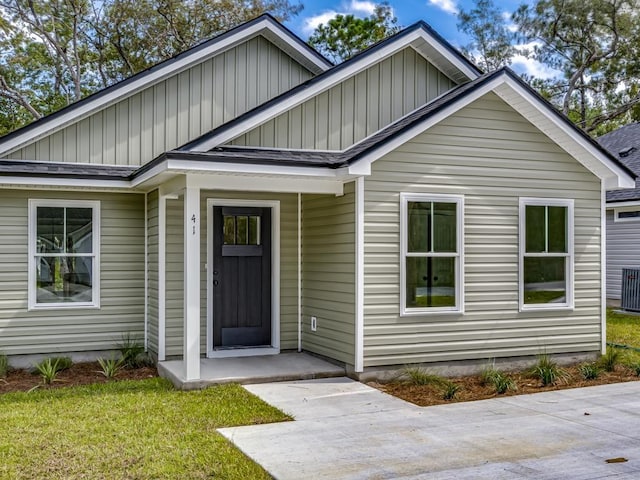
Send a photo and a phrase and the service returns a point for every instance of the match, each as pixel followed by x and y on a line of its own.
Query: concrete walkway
pixel 346 430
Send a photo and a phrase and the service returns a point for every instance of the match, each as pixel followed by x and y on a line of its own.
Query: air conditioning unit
pixel 630 289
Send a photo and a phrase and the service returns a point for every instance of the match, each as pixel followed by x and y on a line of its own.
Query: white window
pixel 64 262
pixel 546 253
pixel 627 214
pixel 431 233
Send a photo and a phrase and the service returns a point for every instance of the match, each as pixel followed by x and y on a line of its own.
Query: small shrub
pixel 131 349
pixel 64 363
pixel 48 370
pixel 610 359
pixel 548 371
pixel 500 381
pixel 110 367
pixel 4 365
pixel 589 371
pixel 420 376
pixel 636 368
pixel 449 390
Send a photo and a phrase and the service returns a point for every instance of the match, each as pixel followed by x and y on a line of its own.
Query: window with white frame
pixel 431 253
pixel 627 214
pixel 546 253
pixel 64 253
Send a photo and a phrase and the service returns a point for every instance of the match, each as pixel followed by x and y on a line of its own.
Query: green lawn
pixel 127 430
pixel 624 329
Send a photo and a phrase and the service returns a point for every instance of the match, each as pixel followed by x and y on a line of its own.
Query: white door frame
pixel 275 277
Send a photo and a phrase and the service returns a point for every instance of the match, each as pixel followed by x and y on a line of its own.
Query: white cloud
pixel 311 23
pixel 357 6
pixel 532 67
pixel 448 6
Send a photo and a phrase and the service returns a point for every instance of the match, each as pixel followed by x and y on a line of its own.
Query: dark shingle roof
pixel 24 168
pixel 624 145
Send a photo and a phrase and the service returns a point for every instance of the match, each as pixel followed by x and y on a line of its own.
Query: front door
pixel 241 277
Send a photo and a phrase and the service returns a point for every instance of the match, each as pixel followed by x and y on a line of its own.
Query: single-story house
pixel 623 210
pixel 248 198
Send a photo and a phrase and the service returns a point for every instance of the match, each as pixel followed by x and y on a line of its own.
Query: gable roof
pixel 264 25
pixel 420 36
pixel 624 144
pixel 357 159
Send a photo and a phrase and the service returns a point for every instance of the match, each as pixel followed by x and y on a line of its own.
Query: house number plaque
pixel 193 219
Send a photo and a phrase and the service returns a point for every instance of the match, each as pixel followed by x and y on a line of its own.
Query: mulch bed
pixel 19 380
pixel 473 389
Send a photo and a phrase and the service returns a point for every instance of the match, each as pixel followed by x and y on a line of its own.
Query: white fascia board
pixel 546 120
pixel 267 184
pixel 509 90
pixel 630 203
pixel 76 114
pixel 331 80
pixel 363 165
pixel 274 34
pixel 186 166
pixel 456 61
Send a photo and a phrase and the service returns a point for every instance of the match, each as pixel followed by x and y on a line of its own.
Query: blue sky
pixel 440 14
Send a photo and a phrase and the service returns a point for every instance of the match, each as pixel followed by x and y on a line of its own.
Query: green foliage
pixel 55 53
pixel 548 371
pixel 500 381
pixel 636 368
pixel 419 376
pixel 48 369
pixel 610 359
pixel 589 371
pixel 492 46
pixel 132 351
pixel 110 367
pixel 4 365
pixel 450 390
pixel 129 429
pixel 345 35
pixel 64 363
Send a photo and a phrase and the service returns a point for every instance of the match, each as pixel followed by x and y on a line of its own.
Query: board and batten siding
pixel 152 270
pixel 491 155
pixel 623 251
pixel 328 274
pixel 121 283
pixel 356 108
pixel 174 111
pixel 175 277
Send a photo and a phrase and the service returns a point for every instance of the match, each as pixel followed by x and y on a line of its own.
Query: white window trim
pixel 405 198
pixel 617 211
pixel 570 288
pixel 95 287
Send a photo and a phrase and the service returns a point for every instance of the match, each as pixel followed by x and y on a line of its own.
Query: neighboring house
pixel 623 209
pixel 247 198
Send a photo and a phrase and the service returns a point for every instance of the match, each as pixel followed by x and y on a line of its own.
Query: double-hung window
pixel 546 253
pixel 64 253
pixel 431 253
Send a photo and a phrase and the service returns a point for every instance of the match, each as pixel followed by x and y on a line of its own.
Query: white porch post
pixel 191 354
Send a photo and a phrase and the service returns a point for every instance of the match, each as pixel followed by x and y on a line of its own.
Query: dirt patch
pixel 472 387
pixel 79 374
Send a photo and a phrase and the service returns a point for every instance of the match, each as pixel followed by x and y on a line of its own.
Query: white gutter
pixel 146 275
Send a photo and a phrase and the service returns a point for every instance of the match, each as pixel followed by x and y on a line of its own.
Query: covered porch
pixel 249 370
pixel 189 205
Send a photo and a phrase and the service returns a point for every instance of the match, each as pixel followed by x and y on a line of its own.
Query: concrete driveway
pixel 347 430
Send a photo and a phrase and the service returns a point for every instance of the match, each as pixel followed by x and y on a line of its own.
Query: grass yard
pixel 127 430
pixel 624 329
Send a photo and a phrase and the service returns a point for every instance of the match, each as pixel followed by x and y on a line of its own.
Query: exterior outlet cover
pixel 314 324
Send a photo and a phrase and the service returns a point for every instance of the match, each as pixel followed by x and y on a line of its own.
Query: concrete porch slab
pixel 246 370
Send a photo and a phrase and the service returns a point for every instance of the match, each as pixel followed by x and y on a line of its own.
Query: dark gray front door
pixel 241 277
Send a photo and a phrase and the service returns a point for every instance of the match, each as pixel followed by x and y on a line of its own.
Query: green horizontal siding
pixel 328 274
pixel 121 279
pixel 491 155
